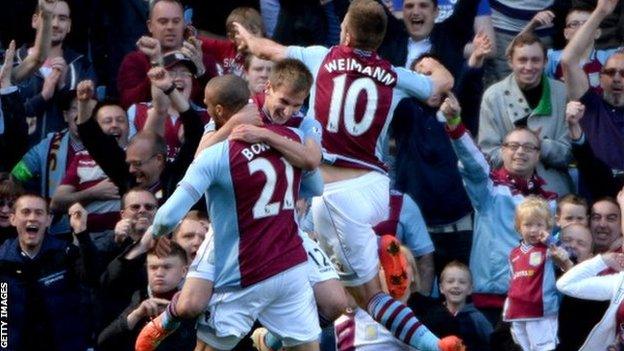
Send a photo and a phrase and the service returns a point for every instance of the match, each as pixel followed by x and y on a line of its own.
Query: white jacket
pixel 583 282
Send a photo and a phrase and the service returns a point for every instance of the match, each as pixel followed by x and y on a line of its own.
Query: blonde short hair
pixel 459 265
pixel 293 74
pixel 533 206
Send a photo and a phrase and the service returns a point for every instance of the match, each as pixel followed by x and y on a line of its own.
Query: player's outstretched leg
pixel 402 323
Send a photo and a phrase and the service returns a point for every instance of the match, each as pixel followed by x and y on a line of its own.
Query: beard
pixel 614 99
pixel 57 42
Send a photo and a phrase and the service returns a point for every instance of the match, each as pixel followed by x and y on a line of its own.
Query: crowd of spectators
pixel 509 189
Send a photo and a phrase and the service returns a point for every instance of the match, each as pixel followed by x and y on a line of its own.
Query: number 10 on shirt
pixel 348 106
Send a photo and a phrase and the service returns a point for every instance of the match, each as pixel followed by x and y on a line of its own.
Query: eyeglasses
pixel 611 72
pixel 147 207
pixel 7 202
pixel 526 147
pixel 575 24
pixel 180 74
pixel 138 164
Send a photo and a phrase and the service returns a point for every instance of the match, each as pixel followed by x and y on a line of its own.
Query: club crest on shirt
pixel 370 332
pixel 535 259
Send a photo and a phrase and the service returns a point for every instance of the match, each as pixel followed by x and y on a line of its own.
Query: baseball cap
pixel 175 57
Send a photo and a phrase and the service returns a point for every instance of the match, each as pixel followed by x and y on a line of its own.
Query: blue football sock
pixel 401 322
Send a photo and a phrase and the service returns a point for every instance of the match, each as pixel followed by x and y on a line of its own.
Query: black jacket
pixel 119 337
pixel 422 144
pixel 468 324
pixel 596 179
pixel 120 279
pixel 44 293
pixel 447 38
pixel 112 158
pixel 577 318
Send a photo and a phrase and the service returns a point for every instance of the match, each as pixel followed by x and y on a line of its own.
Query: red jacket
pixel 134 86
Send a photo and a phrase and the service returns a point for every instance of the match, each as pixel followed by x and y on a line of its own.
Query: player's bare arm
pixel 442 80
pixel 261 47
pixel 306 156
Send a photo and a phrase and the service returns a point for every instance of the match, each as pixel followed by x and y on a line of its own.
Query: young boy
pixel 532 300
pixel 165 276
pixel 453 315
pixel 572 209
pixel 456 286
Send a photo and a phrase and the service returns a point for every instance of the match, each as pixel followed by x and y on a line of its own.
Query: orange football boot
pixel 394 265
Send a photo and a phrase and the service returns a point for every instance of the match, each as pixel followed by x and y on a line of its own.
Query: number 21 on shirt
pixel 263 206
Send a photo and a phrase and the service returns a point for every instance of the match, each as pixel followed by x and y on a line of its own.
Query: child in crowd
pixel 572 209
pixel 454 316
pixel 532 301
pixel 165 276
pixel 456 286
pixel 257 73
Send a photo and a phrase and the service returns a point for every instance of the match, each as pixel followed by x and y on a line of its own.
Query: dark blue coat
pixel 44 295
pixel 48 113
pixel 426 165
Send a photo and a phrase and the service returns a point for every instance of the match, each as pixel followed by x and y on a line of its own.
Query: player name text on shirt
pixel 349 64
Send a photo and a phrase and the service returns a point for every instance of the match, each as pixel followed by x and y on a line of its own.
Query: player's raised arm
pixel 173 210
pixel 442 80
pixel 262 47
pixel 200 174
